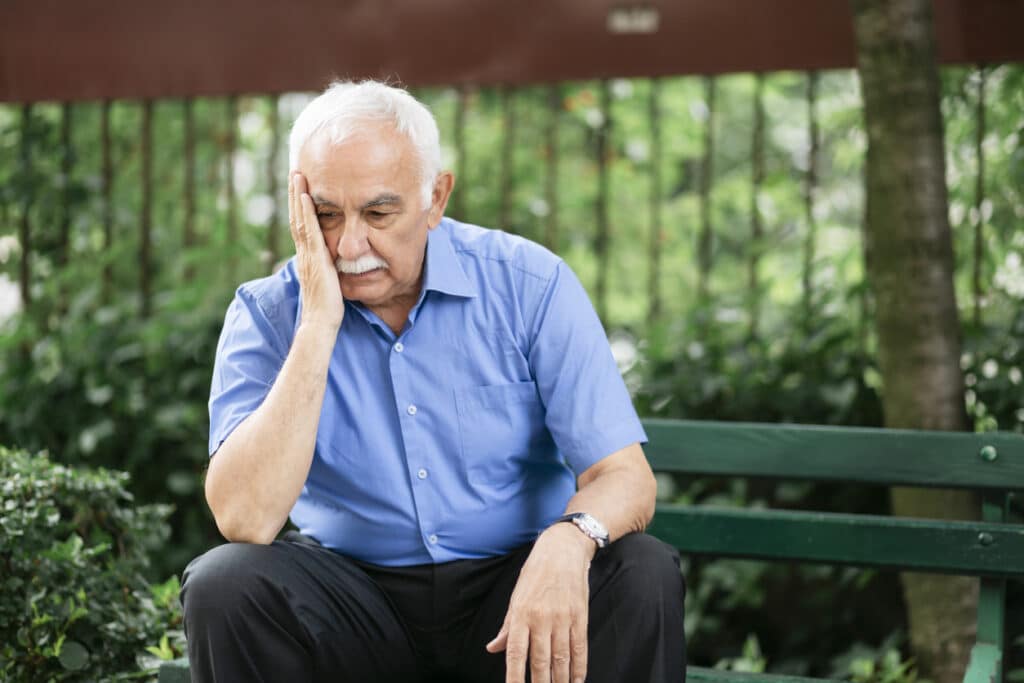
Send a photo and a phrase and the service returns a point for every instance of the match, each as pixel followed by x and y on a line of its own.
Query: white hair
pixel 344 105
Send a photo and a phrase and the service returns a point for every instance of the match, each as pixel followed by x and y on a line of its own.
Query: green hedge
pixel 74 604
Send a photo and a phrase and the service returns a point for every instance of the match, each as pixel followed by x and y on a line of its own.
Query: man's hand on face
pixel 322 303
pixel 546 622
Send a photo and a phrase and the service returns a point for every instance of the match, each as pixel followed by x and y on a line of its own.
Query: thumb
pixel 500 640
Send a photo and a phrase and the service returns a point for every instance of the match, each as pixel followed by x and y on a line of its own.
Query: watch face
pixel 593 528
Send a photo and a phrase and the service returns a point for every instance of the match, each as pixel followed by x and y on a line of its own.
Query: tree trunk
pixel 909 257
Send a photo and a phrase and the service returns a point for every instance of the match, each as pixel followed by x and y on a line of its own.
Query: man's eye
pixel 377 214
pixel 327 214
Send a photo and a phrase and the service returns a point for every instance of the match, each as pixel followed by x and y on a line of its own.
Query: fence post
pixel 705 242
pixel 810 189
pixel 654 245
pixel 275 143
pixel 25 236
pixel 979 198
pixel 188 238
pixel 507 157
pixel 145 219
pixel 602 238
pixel 756 224
pixel 107 175
pixel 462 176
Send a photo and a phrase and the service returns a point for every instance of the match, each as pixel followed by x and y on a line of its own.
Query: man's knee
pixel 647 572
pixel 225 578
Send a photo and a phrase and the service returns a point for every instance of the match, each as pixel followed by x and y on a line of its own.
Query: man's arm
pixel 547 617
pixel 258 472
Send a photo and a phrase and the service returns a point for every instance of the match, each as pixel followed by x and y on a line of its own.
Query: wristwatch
pixel 588 525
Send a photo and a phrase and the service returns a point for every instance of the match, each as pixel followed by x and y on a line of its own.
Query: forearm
pixel 257 474
pixel 619 492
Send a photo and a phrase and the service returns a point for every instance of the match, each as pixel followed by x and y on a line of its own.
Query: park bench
pixel 992 548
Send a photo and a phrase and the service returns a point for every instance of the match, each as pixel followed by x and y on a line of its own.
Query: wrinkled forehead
pixel 370 161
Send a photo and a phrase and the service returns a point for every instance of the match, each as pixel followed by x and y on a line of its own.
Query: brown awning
pixel 92 49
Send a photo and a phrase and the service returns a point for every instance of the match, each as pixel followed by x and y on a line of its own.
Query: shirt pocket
pixel 502 429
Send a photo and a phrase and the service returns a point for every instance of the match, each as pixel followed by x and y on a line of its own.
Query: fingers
pixel 561 655
pixel 309 225
pixel 578 640
pixel 540 655
pixel 516 650
pixel 291 205
pixel 500 640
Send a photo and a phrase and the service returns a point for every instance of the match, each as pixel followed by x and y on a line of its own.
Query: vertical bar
pixel 756 224
pixel 554 97
pixel 230 143
pixel 655 239
pixel 275 143
pixel 810 189
pixel 602 237
pixel 705 240
pixel 145 219
pixel 25 235
pixel 508 141
pixel 992 597
pixel 462 175
pixel 107 174
pixel 188 237
pixel 979 197
pixel 66 161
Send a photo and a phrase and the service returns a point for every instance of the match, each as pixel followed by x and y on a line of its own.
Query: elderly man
pixel 436 408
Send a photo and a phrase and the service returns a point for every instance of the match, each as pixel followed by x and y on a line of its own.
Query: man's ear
pixel 443 185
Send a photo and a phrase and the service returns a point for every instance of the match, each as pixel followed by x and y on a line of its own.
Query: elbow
pixel 237 523
pixel 235 532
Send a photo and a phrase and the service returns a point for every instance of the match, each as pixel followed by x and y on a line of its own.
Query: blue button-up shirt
pixel 461 436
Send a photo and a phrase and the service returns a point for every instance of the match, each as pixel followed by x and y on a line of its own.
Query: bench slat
pixel 700 674
pixel 952 547
pixel 872 456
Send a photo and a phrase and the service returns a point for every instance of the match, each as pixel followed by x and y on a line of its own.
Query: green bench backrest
pixel 990 463
pixel 870 456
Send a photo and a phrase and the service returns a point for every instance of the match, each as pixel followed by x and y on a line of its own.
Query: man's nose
pixel 353 242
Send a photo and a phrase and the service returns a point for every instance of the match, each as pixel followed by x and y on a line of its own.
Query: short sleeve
pixel 249 356
pixel 588 409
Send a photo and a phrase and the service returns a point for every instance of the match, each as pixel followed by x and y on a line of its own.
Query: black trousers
pixel 293 611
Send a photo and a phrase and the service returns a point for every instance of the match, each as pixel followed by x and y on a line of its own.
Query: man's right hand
pixel 322 303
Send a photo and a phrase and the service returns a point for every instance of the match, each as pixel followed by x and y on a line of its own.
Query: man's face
pixel 368 198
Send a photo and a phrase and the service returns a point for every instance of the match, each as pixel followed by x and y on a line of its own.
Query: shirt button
pixel 433 538
pixel 399 347
pixel 422 474
pixel 411 409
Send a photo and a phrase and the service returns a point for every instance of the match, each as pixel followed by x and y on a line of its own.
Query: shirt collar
pixel 444 273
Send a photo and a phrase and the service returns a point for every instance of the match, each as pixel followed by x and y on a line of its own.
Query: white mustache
pixel 362 264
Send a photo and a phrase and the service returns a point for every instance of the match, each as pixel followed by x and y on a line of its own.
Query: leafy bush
pixel 129 393
pixel 74 604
